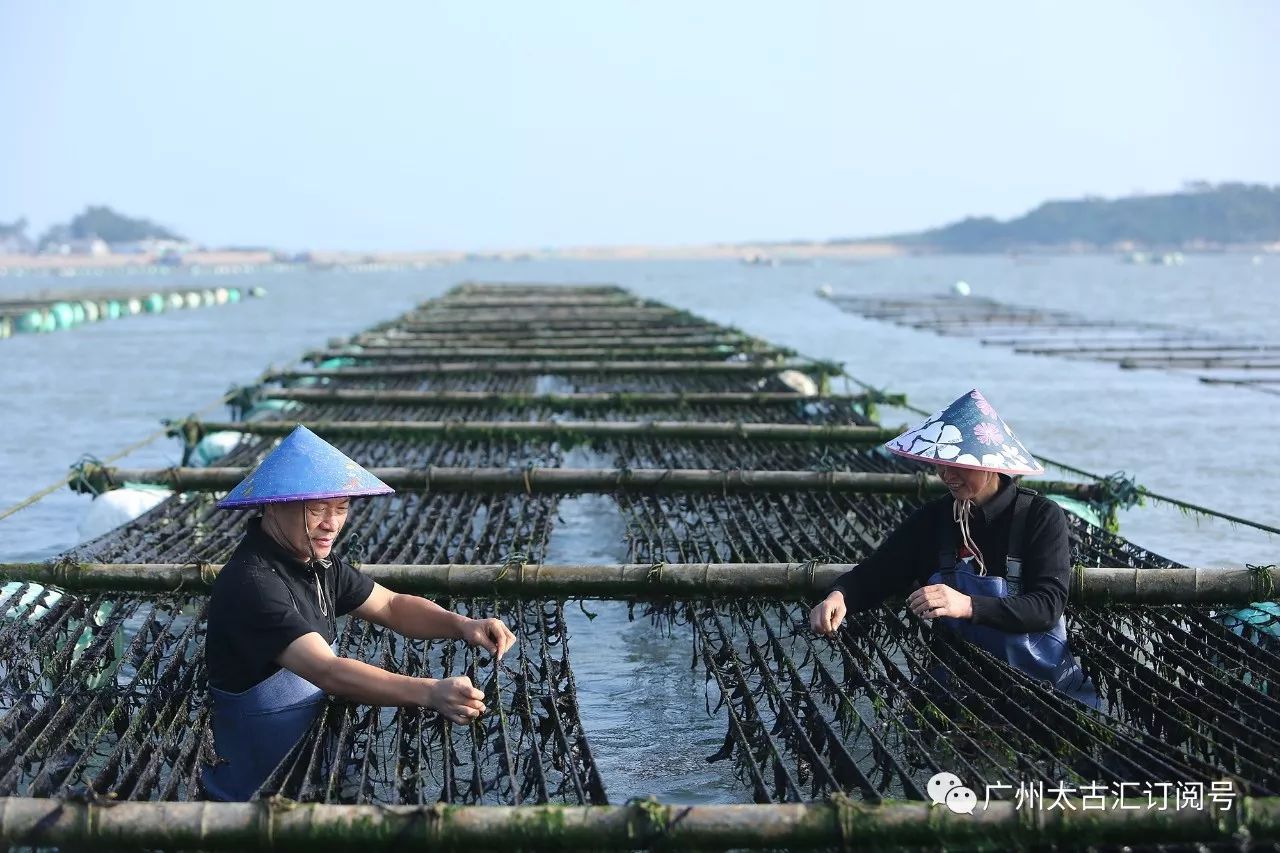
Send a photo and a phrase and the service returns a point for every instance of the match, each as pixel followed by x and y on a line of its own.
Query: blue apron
pixel 254 730
pixel 1043 655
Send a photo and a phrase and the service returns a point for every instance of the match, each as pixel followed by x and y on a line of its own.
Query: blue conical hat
pixel 304 467
pixel 967 434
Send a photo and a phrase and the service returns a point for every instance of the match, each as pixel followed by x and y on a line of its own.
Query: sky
pixel 425 125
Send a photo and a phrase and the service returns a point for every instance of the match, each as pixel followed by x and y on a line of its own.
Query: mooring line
pixel 161 433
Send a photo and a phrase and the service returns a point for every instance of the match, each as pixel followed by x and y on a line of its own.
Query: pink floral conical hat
pixel 967 434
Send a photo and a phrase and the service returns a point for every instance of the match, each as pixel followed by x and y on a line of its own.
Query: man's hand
pixel 826 615
pixel 489 634
pixel 455 698
pixel 930 602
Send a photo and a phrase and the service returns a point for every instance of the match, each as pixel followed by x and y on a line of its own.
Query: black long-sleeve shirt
pixel 907 558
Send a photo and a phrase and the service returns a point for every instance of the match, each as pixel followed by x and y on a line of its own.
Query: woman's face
pixel 967 484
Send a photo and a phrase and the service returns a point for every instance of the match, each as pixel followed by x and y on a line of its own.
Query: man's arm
pixel 418 617
pixel 310 657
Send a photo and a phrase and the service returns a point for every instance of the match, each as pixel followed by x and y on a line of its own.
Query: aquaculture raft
pixel 728 539
pixel 55 311
pixel 1041 331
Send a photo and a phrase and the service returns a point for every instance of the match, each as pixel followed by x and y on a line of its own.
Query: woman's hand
pixel 930 602
pixel 826 615
pixel 456 699
pixel 489 634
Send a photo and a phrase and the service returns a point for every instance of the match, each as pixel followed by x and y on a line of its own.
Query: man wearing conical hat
pixel 273 618
pixel 990 561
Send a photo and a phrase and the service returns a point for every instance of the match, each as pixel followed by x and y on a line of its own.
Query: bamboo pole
pixel 1190 362
pixel 470 288
pixel 535 480
pixel 504 334
pixel 506 324
pixel 743 368
pixel 642 825
pixel 455 353
pixel 516 319
pixel 1090 586
pixel 1256 380
pixel 1101 352
pixel 571 401
pixel 835 433
pixel 543 342
pixel 535 301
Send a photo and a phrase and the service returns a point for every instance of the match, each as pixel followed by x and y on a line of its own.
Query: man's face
pixel 310 526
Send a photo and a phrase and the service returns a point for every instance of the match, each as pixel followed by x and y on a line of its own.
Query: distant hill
pixel 106 224
pixel 1204 216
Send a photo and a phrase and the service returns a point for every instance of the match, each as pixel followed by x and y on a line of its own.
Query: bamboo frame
pixel 834 433
pixel 642 825
pixel 1090 586
pixel 536 480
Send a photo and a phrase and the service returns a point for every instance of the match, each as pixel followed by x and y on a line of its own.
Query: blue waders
pixel 255 729
pixel 1043 655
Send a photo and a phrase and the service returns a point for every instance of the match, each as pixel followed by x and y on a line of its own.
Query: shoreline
pixel 762 253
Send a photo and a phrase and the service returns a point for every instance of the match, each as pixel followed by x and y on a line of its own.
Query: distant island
pixel 99 230
pixel 1204 217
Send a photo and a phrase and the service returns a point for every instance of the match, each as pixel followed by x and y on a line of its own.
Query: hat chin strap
pixel 960 512
pixel 321 597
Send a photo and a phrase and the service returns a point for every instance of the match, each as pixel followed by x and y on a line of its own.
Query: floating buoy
pixel 213 447
pixel 111 509
pixel 961 288
pixel 176 300
pixel 799 382
pixel 6 327
pixel 62 315
pixel 825 290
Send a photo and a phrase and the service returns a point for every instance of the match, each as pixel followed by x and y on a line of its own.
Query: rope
pixel 73 474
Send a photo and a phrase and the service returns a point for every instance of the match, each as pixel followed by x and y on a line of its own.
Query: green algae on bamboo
pixel 541 480
pixel 833 433
pixel 1095 587
pixel 644 824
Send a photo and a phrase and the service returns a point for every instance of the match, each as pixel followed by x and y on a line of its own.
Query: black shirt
pixel 907 558
pixel 265 598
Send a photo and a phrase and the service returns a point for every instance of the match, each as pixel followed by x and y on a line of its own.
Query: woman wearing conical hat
pixel 990 560
pixel 273 619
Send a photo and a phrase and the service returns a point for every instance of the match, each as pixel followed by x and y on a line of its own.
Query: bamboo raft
pixel 56 311
pixel 1062 334
pixel 740 499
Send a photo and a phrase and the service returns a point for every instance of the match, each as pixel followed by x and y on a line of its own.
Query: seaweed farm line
pixel 1062 334
pixel 689 693
pixel 57 311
